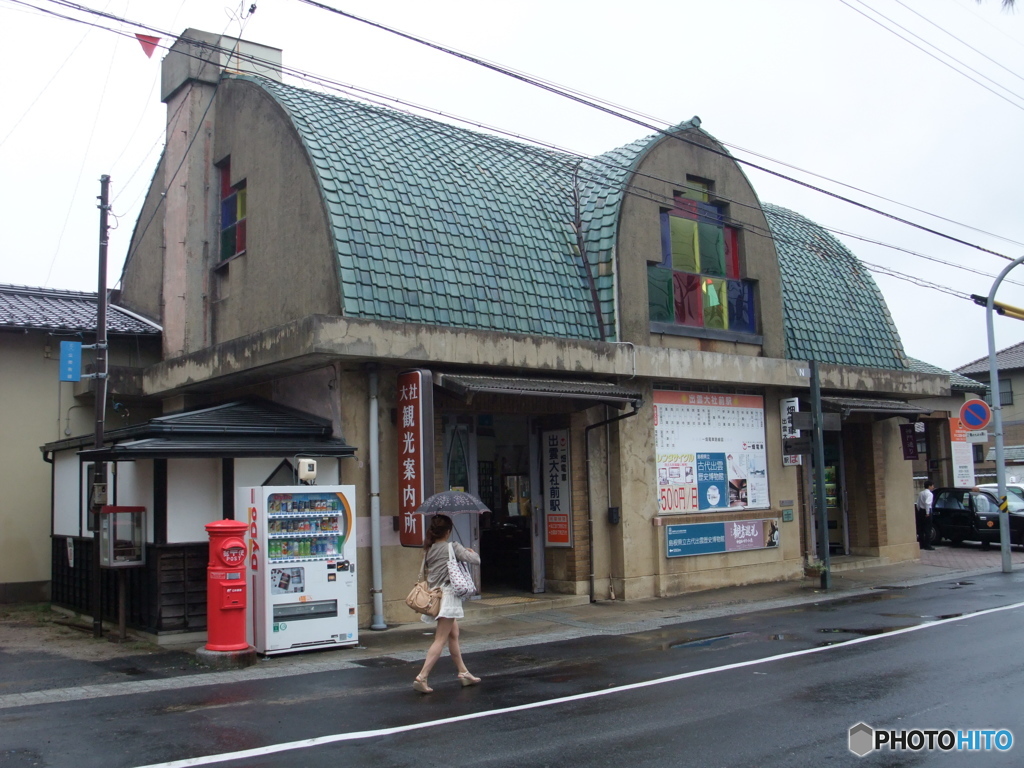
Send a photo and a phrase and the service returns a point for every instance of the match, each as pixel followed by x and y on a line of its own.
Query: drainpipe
pixel 375 553
pixel 590 512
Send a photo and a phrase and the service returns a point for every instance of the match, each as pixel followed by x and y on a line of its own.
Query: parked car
pixel 972 514
pixel 1016 489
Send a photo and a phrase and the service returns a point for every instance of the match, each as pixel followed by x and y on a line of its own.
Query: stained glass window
pixel 698 283
pixel 232 214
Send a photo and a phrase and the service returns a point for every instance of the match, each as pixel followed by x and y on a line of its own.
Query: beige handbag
pixel 422 599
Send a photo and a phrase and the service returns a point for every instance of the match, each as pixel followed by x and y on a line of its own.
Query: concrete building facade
pixel 635 306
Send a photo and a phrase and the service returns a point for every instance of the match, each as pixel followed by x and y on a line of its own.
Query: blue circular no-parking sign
pixel 975 414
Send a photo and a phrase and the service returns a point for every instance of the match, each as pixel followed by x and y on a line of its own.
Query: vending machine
pixel 301 566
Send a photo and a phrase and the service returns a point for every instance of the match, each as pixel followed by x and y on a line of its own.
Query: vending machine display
pixel 302 566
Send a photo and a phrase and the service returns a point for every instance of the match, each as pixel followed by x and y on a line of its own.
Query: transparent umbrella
pixel 452 503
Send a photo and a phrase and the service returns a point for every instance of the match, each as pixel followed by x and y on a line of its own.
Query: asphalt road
pixel 772 688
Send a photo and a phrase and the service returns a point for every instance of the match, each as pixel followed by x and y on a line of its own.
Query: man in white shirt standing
pixel 923 515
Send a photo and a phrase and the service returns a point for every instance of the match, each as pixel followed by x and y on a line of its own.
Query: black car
pixel 972 514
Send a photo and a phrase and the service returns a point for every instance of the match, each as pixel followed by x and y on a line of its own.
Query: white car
pixel 1014 489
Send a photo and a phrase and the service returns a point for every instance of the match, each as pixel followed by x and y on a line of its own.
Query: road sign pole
pixel 818 446
pixel 997 417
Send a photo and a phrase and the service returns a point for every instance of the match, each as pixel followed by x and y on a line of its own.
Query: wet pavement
pixel 34 669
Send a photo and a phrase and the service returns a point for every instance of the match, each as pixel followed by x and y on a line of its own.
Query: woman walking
pixel 436 566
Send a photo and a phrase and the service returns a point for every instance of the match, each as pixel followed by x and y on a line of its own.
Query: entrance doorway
pixel 496 458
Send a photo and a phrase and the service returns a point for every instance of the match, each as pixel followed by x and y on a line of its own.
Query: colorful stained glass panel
pixel 715 299
pixel 741 306
pixel 228 210
pixel 688 299
pixel 660 301
pixel 712 249
pixel 685 244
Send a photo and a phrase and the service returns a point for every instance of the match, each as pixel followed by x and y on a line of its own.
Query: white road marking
pixel 357 735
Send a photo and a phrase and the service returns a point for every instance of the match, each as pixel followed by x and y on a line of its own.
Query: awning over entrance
pixel 466 386
pixel 878 407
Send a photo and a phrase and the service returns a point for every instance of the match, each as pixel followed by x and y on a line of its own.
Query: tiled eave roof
pixel 25 308
pixel 1008 359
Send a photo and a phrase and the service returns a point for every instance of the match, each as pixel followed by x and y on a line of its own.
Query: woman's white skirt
pixel 451 607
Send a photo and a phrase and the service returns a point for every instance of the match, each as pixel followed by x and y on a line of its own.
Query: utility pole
pixel 98 494
pixel 818 446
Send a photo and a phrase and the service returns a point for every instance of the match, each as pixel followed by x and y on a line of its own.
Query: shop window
pixel 697 283
pixel 232 214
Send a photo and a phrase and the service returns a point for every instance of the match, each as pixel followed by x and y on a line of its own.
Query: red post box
pixel 226 590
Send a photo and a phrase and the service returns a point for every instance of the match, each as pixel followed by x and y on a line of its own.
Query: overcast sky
pixel 810 83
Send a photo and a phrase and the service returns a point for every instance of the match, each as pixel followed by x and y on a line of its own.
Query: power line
pixel 548 159
pixel 558 90
pixel 588 101
pixel 929 53
pixel 959 40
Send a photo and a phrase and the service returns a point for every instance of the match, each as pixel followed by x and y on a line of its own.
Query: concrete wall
pixel 143 270
pixel 289 269
pixel 640 539
pixel 640 242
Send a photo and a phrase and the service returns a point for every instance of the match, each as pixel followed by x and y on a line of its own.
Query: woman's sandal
pixel 420 684
pixel 467 678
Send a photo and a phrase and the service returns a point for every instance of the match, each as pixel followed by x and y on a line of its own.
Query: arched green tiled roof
pixel 436 224
pixel 832 309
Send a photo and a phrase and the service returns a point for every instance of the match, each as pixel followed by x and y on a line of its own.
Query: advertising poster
pixel 962 453
pixel 709 452
pixel 715 538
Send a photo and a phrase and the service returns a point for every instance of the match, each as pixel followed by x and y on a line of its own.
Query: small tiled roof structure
pixel 466 229
pixel 832 309
pixel 957 382
pixel 1009 359
pixel 236 429
pixel 23 308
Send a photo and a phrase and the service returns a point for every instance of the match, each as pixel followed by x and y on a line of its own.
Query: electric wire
pixel 43 90
pixel 559 90
pixel 81 168
pixel 324 83
pixel 959 40
pixel 929 53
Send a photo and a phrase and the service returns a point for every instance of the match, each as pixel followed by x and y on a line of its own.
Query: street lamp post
pixel 997 417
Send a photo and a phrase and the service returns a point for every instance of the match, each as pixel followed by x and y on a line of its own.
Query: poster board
pixel 709 452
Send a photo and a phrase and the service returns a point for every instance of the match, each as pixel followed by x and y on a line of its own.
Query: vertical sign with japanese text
pixel 787 407
pixel 908 439
pixel 962 454
pixel 555 476
pixel 415 452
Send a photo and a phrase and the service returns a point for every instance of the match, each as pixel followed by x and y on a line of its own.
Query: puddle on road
pixel 920 616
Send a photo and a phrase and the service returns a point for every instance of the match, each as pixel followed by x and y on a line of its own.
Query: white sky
pixel 811 83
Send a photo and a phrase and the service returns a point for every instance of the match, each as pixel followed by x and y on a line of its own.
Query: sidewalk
pixel 37 667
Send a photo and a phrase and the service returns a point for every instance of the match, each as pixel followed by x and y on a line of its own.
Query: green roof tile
pixel 414 201
pixel 832 309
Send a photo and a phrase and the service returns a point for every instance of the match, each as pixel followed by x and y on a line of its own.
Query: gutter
pixel 590 512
